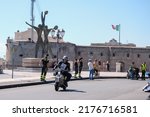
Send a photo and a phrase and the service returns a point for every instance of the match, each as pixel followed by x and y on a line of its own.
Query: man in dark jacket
pixel 80 66
pixel 64 65
pixel 44 63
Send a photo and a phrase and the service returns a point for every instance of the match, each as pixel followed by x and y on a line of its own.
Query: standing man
pixel 143 69
pixel 91 69
pixel 80 66
pixel 95 65
pixel 107 66
pixel 76 68
pixel 44 63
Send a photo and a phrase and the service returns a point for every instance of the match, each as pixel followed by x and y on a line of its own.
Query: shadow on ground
pixel 72 90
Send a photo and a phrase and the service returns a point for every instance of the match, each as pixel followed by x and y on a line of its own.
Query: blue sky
pixel 85 21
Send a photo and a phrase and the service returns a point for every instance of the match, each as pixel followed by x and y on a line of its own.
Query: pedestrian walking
pixel 80 66
pixel 44 64
pixel 91 69
pixel 143 69
pixel 76 68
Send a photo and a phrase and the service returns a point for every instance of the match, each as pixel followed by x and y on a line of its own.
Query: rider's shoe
pixel 66 83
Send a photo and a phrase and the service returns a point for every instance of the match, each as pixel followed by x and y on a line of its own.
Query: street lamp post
pixel 57 34
pixel 12 59
pixel 12 55
pixel 12 66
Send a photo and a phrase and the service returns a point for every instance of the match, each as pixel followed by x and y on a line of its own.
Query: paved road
pixel 98 89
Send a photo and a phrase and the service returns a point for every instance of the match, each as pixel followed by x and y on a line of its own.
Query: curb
pixel 14 85
pixel 32 83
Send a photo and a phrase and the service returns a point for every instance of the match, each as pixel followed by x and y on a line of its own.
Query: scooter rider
pixel 64 65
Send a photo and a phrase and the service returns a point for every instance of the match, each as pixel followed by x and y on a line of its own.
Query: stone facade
pixel 26 49
pixel 123 54
pixel 114 54
pixel 26 36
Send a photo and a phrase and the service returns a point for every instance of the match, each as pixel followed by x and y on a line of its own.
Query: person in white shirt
pixel 91 69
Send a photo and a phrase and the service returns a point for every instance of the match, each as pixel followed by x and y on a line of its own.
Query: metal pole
pixel 12 61
pixel 12 66
pixel 119 34
pixel 32 16
pixel 57 49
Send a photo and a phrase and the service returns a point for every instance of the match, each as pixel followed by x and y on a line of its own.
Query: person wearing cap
pixel 44 63
pixel 64 65
pixel 91 69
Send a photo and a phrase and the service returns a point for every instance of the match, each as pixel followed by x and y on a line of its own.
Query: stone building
pixel 119 56
pixel 2 62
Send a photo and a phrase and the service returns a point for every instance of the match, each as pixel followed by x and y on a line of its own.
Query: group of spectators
pixel 94 67
pixel 133 72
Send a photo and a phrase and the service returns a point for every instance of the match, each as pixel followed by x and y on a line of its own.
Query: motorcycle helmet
pixel 65 58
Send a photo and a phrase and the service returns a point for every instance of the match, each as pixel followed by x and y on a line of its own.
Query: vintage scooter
pixel 59 80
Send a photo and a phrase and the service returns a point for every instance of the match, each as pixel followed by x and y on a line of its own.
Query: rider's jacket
pixel 64 66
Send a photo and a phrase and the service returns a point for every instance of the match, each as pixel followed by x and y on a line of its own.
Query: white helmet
pixel 65 58
pixel 90 60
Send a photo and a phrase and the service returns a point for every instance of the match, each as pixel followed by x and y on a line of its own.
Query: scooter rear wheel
pixel 56 87
pixel 64 88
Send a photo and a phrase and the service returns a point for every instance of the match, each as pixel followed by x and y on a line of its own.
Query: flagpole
pixel 119 34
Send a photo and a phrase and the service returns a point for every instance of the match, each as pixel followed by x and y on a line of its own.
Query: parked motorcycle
pixel 59 80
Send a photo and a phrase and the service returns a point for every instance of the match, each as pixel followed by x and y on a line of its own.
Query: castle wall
pixel 123 55
pixel 26 49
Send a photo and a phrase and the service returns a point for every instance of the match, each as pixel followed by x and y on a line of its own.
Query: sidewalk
pixel 27 78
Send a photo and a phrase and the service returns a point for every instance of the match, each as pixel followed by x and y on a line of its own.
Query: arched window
pixel 128 55
pixel 113 54
pixel 79 53
pixel 91 53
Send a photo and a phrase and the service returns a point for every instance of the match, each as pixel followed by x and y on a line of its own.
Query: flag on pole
pixel 117 27
pixel 114 27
